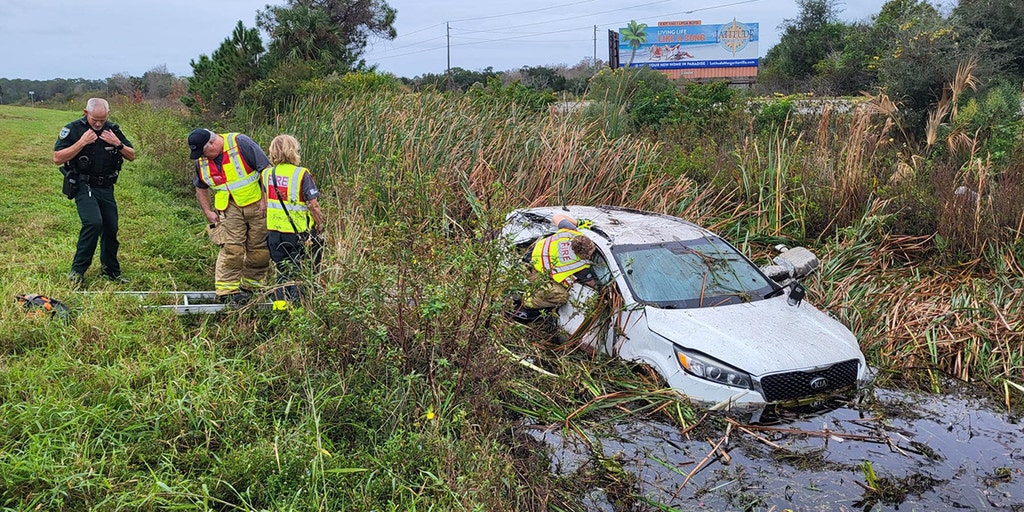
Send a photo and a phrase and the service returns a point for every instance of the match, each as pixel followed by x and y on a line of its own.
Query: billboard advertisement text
pixel 732 44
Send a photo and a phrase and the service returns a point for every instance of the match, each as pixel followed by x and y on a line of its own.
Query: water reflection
pixel 891 450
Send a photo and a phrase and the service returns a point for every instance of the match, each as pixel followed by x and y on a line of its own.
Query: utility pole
pixel 448 69
pixel 595 45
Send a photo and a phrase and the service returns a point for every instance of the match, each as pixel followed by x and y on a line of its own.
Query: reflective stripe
pixel 294 186
pixel 251 284
pixel 545 253
pixel 206 173
pixel 291 207
pixel 235 155
pixel 576 265
pixel 232 186
pixel 226 286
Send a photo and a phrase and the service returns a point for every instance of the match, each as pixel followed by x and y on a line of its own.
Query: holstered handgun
pixel 72 180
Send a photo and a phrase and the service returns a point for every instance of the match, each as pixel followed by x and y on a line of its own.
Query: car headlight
pixel 709 369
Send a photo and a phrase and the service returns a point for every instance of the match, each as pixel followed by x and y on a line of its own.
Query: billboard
pixel 613 49
pixel 690 45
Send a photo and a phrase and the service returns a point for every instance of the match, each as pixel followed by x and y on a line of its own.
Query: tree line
pixel 909 50
pixel 155 85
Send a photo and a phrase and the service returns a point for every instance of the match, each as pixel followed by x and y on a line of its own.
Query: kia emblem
pixel 819 383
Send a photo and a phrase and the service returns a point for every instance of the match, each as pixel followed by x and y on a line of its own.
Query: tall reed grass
pixel 418 185
pixel 432 170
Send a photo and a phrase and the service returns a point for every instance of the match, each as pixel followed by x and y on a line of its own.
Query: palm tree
pixel 636 34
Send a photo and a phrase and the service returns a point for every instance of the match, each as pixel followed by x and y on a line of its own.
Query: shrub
pixel 995 117
pixel 772 114
pixel 707 106
pixel 494 94
pixel 292 81
pixel 159 134
pixel 648 97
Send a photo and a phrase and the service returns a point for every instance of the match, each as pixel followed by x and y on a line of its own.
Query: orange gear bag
pixel 40 305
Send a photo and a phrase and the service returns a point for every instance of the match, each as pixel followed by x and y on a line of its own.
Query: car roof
pixel 623 226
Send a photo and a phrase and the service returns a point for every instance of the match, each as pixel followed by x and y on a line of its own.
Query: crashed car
pixel 718 328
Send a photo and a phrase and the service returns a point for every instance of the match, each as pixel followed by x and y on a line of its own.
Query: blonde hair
pixel 284 149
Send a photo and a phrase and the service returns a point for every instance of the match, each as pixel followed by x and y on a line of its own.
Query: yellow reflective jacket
pixel 235 179
pixel 283 183
pixel 554 256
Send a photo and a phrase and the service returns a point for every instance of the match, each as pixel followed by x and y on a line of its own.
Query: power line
pixel 386 57
pixel 473 43
pixel 411 45
pixel 525 12
pixel 634 7
pixel 417 31
pixel 517 34
pixel 533 11
pixel 691 11
pixel 498 15
pixel 476 41
pixel 523 37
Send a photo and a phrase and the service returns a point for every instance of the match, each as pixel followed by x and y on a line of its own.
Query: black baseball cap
pixel 196 140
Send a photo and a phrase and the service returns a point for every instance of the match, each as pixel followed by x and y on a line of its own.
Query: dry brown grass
pixel 958 320
pixel 447 172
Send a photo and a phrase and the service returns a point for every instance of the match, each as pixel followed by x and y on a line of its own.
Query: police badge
pixel 64 132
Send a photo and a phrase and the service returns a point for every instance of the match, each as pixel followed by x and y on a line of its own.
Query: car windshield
pixel 697 273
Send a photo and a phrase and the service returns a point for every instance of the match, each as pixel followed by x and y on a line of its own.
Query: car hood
pixel 761 337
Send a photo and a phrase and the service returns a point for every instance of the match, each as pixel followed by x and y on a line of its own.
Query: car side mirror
pixel 796 294
pixel 799 261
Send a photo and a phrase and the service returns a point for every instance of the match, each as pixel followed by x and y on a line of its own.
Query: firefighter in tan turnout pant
pixel 229 164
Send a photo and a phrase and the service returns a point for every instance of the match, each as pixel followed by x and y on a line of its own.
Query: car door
pixel 577 316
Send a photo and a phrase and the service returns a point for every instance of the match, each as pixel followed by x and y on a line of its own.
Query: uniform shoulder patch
pixel 64 132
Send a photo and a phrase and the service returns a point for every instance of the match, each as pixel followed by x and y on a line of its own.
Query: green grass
pixel 130 409
pixel 163 242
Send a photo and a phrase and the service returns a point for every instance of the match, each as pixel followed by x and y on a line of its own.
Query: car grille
pixel 792 385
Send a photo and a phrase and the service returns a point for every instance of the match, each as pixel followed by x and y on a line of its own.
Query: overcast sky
pixel 44 39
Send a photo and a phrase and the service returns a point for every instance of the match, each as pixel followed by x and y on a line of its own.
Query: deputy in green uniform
pixel 93 149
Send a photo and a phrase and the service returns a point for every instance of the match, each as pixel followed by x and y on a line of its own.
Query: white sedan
pixel 715 326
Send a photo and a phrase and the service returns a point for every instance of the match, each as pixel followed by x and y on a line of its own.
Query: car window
pixel 599 266
pixel 690 273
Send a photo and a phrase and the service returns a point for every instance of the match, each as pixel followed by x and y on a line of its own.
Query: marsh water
pixel 886 450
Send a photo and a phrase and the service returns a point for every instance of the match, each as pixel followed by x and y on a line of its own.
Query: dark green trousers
pixel 98 212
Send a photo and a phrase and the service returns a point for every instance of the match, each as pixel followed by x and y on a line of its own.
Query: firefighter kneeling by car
pixel 564 258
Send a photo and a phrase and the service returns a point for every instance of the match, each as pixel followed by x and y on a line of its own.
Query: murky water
pixel 927 452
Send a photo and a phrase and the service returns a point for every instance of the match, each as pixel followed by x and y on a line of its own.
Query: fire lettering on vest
pixel 565 251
